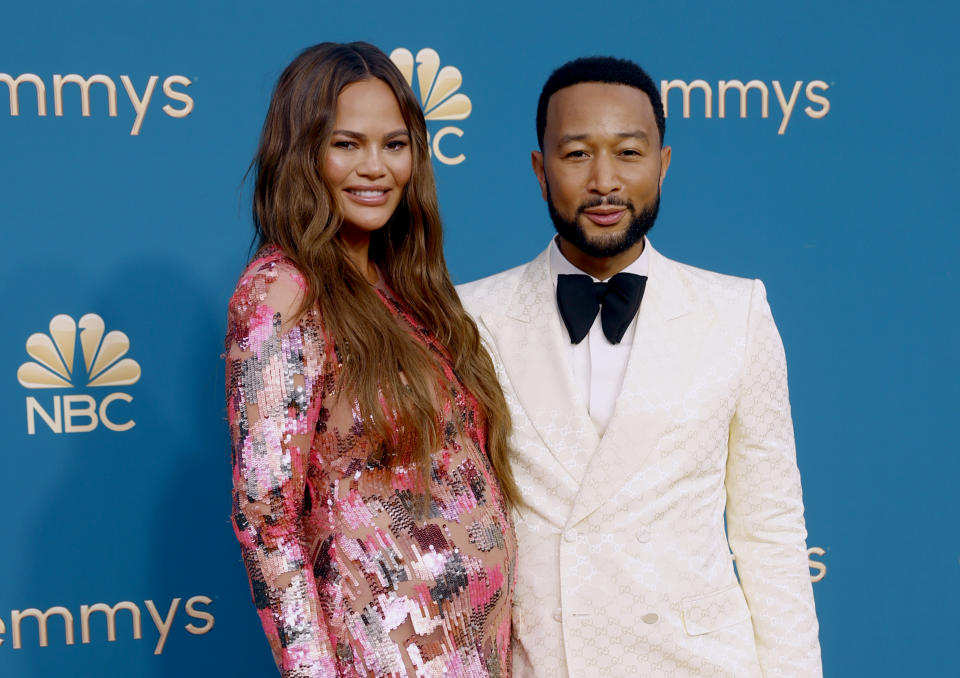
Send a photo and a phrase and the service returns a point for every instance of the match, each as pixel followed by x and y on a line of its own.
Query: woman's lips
pixel 370 197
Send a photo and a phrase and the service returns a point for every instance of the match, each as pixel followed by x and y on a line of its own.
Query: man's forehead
pixel 594 104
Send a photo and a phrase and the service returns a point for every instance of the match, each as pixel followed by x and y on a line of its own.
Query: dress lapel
pixel 658 371
pixel 535 351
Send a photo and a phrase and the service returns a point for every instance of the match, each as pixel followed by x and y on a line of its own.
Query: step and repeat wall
pixel 814 146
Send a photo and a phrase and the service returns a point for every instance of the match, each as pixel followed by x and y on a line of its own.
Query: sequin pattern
pixel 353 571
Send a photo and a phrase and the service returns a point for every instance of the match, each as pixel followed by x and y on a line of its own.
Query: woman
pixel 371 486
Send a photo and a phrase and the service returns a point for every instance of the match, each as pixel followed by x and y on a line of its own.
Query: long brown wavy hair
pixel 294 209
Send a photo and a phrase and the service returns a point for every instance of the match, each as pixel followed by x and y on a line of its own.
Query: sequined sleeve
pixel 274 382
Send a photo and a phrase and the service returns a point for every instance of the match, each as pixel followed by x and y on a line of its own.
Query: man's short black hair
pixel 599 69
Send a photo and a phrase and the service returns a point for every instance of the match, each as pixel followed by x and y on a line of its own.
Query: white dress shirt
pixel 598 365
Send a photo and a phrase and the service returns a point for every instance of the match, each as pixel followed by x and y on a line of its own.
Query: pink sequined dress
pixel 352 573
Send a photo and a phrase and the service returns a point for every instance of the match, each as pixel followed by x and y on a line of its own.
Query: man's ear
pixel 536 160
pixel 665 154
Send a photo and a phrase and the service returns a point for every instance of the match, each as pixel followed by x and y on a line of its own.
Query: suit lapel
pixel 658 370
pixel 535 352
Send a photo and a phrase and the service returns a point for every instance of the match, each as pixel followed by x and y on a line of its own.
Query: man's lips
pixel 606 216
pixel 367 195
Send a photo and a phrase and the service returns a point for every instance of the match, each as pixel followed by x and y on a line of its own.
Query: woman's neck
pixel 357 250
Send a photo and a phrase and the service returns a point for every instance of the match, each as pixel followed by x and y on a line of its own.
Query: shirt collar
pixel 559 264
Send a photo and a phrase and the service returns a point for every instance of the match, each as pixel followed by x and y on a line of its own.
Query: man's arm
pixel 765 507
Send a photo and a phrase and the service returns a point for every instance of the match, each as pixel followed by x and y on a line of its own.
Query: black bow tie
pixel 579 299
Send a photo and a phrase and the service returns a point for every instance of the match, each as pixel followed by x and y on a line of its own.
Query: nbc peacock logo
pixel 55 365
pixel 438 95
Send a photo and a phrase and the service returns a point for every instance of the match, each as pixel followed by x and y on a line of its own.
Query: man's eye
pixel 576 154
pixel 630 151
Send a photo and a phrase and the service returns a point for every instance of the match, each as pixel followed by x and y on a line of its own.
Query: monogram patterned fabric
pixel 355 569
pixel 625 566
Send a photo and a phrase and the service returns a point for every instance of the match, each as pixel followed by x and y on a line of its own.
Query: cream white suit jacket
pixel 625 567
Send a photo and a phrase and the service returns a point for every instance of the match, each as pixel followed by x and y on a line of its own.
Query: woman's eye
pixel 343 144
pixel 396 145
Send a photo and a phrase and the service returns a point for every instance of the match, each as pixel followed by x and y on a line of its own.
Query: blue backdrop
pixel 120 494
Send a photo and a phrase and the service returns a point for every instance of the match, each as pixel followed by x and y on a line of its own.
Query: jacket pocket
pixel 714 611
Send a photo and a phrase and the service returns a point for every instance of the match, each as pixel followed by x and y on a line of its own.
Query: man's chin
pixel 604 241
pixel 603 234
pixel 605 248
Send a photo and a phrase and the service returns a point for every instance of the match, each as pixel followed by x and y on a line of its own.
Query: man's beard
pixel 607 245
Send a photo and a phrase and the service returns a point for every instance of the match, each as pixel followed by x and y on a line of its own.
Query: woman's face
pixel 368 162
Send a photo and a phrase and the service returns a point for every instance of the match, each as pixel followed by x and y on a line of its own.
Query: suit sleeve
pixel 272 392
pixel 765 507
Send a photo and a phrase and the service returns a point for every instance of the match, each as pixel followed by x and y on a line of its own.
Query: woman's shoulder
pixel 271 284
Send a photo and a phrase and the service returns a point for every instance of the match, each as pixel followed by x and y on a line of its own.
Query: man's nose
pixel 603 176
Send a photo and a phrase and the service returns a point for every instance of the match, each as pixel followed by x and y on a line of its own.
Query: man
pixel 646 408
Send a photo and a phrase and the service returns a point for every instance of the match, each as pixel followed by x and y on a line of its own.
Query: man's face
pixel 601 168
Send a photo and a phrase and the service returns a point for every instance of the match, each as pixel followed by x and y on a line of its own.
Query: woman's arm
pixel 273 390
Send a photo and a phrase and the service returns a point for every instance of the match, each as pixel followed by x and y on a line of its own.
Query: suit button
pixel 650 618
pixel 643 535
pixel 570 535
pixel 557 614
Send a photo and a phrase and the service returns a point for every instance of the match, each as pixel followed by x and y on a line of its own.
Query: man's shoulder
pixel 703 278
pixel 722 292
pixel 492 292
pixel 710 280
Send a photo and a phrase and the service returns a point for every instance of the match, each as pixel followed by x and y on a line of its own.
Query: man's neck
pixel 600 268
